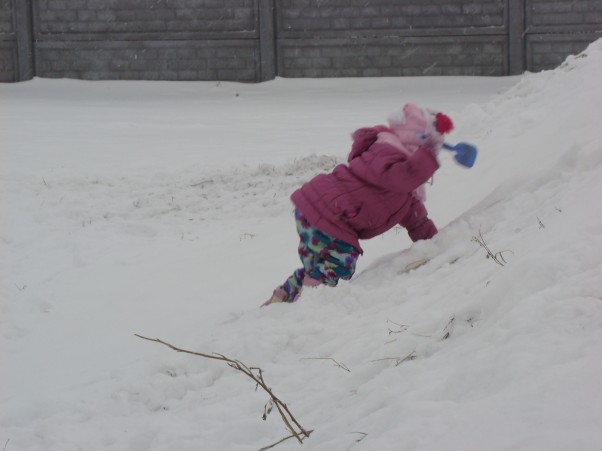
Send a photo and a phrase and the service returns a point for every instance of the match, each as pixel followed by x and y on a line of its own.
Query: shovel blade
pixel 466 154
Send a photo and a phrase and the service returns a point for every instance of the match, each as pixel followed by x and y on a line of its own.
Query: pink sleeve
pixel 417 223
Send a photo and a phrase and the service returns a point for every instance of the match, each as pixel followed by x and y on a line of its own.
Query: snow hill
pixel 162 209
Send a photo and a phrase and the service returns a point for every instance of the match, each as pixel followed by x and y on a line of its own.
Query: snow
pixel 162 209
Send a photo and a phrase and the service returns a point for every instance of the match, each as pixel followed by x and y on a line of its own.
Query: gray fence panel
pixel 257 40
pixel 147 39
pixel 8 43
pixel 334 38
pixel 555 29
pixel 376 57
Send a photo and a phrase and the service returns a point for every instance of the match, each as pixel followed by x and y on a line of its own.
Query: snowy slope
pixel 162 209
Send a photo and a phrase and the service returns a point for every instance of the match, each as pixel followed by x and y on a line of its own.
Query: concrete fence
pixel 257 40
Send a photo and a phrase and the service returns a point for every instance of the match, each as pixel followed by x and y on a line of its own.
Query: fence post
pixel 516 37
pixel 267 40
pixel 24 35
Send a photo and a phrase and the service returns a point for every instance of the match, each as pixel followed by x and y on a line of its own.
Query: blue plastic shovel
pixel 466 154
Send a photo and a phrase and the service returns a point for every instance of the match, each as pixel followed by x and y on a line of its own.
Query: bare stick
pixel 201 183
pixel 448 328
pixel 497 257
pixel 280 441
pixel 399 360
pixel 340 365
pixel 286 415
pixel 281 408
pixel 402 327
pixel 364 435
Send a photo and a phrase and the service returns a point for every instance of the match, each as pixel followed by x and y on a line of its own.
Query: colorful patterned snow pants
pixel 324 258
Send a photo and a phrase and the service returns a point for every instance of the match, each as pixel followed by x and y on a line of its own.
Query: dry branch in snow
pixel 497 257
pixel 256 374
pixel 338 364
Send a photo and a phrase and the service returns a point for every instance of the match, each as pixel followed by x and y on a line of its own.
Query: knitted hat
pixel 413 119
pixel 410 125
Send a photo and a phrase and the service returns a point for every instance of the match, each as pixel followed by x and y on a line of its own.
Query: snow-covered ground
pixel 162 209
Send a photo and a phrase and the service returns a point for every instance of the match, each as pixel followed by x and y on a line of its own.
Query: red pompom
pixel 443 123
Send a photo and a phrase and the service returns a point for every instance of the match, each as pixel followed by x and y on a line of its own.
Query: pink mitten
pixel 279 295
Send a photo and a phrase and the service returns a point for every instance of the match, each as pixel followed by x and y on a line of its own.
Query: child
pixel 379 188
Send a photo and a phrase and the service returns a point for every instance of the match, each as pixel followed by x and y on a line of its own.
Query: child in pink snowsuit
pixel 379 187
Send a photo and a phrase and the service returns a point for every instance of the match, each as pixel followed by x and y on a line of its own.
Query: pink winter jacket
pixel 372 193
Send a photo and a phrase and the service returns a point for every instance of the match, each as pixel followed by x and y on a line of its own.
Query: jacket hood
pixel 363 138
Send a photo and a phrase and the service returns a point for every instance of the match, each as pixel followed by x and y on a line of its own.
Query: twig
pixel 280 441
pixel 340 365
pixel 5 445
pixel 541 226
pixel 364 435
pixel 448 328
pixel 201 183
pixel 282 408
pixel 497 257
pixel 267 409
pixel 471 321
pixel 286 415
pixel 402 327
pixel 399 360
